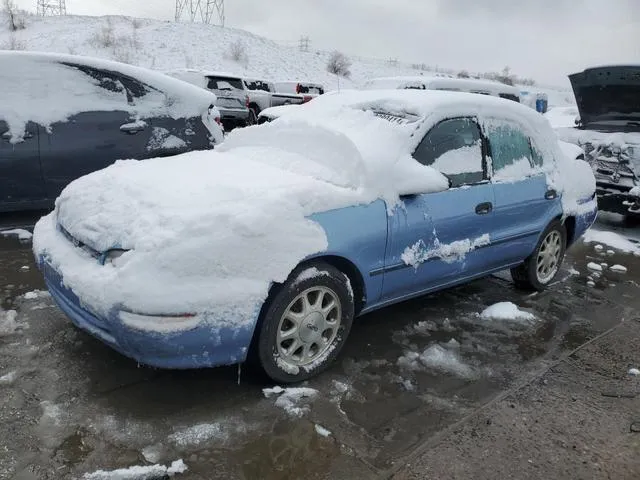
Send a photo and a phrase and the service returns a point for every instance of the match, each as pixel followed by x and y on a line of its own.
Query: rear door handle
pixel 484 208
pixel 551 194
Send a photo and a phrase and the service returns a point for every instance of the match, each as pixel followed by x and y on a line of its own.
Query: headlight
pixel 112 256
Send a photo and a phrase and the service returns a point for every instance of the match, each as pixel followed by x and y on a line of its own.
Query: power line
pixel 200 11
pixel 304 43
pixel 51 7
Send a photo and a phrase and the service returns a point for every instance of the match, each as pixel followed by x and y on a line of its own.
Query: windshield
pixel 224 83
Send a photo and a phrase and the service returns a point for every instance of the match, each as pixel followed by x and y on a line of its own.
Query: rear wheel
pixel 306 324
pixel 542 267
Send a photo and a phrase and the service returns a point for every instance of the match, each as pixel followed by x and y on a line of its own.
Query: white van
pixel 482 87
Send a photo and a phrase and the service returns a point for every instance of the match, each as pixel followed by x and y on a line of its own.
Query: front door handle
pixel 551 194
pixel 484 208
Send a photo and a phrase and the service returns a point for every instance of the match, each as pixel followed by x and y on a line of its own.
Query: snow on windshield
pixel 40 88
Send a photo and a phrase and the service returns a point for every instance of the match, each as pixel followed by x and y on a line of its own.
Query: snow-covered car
pixel 269 246
pixel 232 103
pixel 63 116
pixel 271 113
pixel 469 85
pixel 607 128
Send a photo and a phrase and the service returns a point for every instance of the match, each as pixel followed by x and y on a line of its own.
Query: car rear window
pixel 221 83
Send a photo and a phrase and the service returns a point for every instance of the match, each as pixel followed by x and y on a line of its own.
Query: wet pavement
pixel 70 405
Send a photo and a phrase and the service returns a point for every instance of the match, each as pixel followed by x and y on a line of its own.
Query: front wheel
pixel 542 267
pixel 306 324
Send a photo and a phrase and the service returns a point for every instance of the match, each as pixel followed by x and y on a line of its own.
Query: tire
pixel 283 341
pixel 527 276
pixel 253 117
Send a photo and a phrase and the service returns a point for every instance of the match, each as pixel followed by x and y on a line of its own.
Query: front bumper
pixel 203 346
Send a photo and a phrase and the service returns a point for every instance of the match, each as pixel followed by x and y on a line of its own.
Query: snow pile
pixel 35 294
pixel 198 434
pixel 19 232
pixel 634 371
pixel 560 117
pixel 37 87
pixel 437 358
pixel 611 239
pixel 290 398
pixel 8 378
pixel 456 251
pixel 151 472
pixel 594 267
pixel 8 323
pixel 320 430
pixel 619 269
pixel 506 311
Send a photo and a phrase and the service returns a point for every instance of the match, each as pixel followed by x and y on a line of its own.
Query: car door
pixel 21 183
pixel 98 136
pixel 524 204
pixel 436 239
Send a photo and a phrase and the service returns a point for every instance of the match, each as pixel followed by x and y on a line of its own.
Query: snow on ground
pixel 320 430
pixel 634 371
pixel 594 267
pixel 198 434
pixel 619 269
pixel 294 401
pixel 506 311
pixel 17 232
pixel 35 294
pixel 151 472
pixel 8 323
pixel 437 358
pixel 610 239
pixel 8 378
pixel 562 116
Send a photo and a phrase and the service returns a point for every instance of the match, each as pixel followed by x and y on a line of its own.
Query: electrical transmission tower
pixel 200 10
pixel 52 7
pixel 304 44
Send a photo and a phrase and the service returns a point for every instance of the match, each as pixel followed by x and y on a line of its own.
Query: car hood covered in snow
pixel 608 96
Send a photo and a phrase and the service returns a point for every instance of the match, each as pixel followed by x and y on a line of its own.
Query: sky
pixel 542 39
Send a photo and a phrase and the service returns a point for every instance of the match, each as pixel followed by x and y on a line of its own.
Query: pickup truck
pixel 261 94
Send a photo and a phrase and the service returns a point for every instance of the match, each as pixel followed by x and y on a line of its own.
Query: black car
pixel 608 130
pixel 63 116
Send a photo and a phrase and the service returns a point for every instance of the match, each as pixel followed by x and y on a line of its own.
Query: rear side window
pixel 510 96
pixel 114 82
pixel 510 152
pixel 454 148
pixel 257 85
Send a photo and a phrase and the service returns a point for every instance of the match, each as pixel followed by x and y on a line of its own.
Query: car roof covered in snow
pixel 152 78
pixel 441 83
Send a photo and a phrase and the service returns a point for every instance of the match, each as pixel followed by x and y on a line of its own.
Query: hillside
pixel 168 45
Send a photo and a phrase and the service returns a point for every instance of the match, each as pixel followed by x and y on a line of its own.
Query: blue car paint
pixel 373 240
pixel 200 347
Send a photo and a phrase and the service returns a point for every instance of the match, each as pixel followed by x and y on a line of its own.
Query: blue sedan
pixel 272 245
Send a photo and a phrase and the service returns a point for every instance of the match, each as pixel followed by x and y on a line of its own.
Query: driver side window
pixel 454 148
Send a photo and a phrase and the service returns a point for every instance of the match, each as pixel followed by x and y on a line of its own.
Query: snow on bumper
pixel 190 345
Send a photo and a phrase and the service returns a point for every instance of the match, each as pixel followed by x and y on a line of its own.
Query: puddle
pixel 74 449
pixel 289 450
